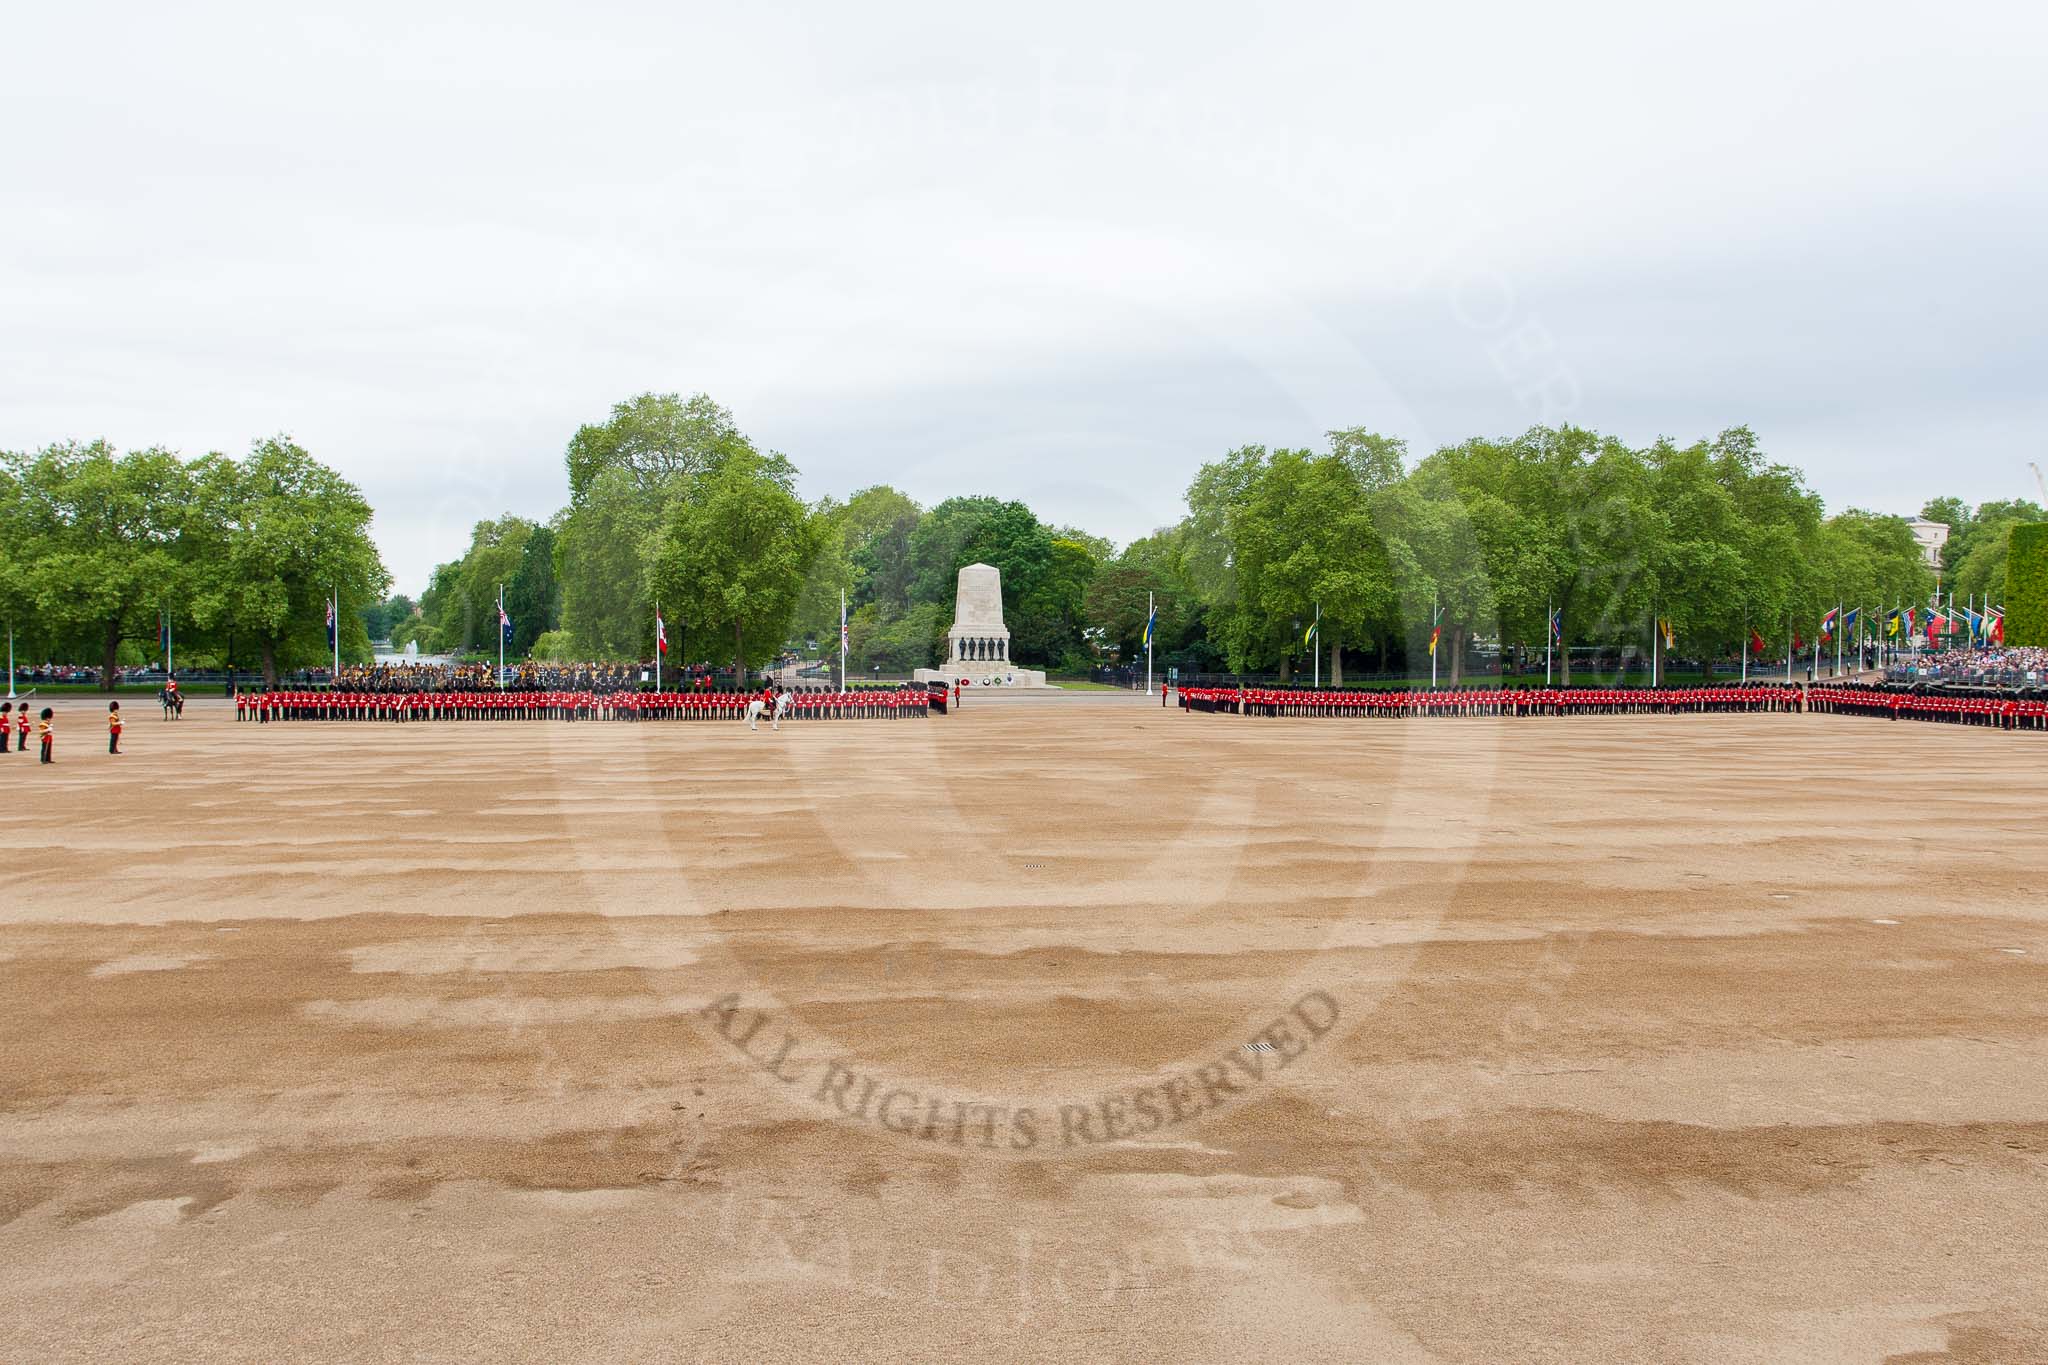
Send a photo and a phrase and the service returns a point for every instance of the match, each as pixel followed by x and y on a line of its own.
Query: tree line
pixel 1711 541
pixel 101 552
pixel 670 502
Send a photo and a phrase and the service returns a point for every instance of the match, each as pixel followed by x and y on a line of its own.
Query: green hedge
pixel 2026 585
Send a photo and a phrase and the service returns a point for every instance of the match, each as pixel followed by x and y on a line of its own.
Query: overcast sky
pixel 1063 254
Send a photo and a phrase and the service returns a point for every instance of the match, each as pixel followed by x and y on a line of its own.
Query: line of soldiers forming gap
pixel 907 703
pixel 1998 709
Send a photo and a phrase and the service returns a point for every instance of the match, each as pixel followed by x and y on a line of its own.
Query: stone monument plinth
pixel 978 645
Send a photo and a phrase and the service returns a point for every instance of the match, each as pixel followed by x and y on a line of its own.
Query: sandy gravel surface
pixel 1658 1039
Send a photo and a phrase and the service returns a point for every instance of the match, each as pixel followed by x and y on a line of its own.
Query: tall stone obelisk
pixel 978 645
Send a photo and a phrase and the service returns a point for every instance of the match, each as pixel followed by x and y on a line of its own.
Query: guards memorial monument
pixel 978 645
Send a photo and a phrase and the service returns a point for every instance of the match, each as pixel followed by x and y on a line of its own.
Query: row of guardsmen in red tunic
pixel 264 707
pixel 1493 701
pixel 2000 710
pixel 2005 710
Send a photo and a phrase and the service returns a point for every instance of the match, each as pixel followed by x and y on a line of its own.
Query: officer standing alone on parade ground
pixel 6 720
pixel 47 732
pixel 113 727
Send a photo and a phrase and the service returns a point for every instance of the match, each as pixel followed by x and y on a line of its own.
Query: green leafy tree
pixel 96 546
pixel 556 646
pixel 877 528
pixel 1123 591
pixel 938 548
pixel 657 438
pixel 1053 612
pixel 2026 612
pixel 1970 528
pixel 276 536
pixel 896 642
pixel 1435 554
pixel 605 606
pixel 381 618
pixel 732 559
pixel 533 595
pixel 464 613
pixel 1274 536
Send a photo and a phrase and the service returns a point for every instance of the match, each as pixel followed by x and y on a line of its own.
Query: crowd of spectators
pixel 1997 666
pixel 27 676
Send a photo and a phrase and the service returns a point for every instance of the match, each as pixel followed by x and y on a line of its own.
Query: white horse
pixel 758 708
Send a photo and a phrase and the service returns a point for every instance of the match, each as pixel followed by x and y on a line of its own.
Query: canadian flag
pixel 660 634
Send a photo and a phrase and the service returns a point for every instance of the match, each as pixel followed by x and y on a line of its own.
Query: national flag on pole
pixel 1756 643
pixel 1152 621
pixel 1670 636
pixel 1907 618
pixel 1892 621
pixel 1557 625
pixel 1308 636
pixel 1827 624
pixel 330 623
pixel 1435 634
pixel 1995 632
pixel 1849 621
pixel 660 635
pixel 504 624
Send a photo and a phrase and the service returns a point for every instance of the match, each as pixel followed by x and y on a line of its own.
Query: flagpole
pixel 335 680
pixel 1745 647
pixel 1549 635
pixel 842 639
pixel 1315 654
pixel 1435 618
pixel 10 660
pixel 1150 608
pixel 657 643
pixel 501 635
pixel 1838 638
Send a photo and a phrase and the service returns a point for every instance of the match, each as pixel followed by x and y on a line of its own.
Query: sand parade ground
pixel 1064 1032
